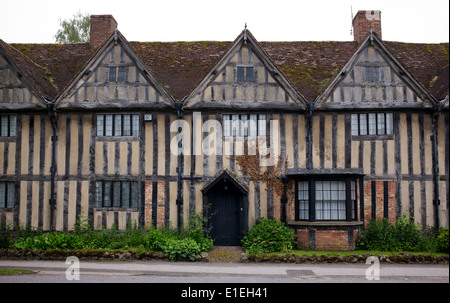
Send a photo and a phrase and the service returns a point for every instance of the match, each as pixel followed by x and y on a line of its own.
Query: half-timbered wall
pixel 398 166
pixel 25 159
pixel 243 78
pixel 12 87
pixel 115 76
pixel 372 78
pixel 373 83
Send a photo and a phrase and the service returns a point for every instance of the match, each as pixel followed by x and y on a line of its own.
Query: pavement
pixel 218 272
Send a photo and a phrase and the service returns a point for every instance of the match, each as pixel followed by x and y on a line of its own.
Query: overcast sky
pixel 36 21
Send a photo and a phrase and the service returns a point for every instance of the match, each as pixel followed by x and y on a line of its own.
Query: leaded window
pixel 245 74
pixel 244 125
pixel 320 199
pixel 118 124
pixel 372 124
pixel 8 125
pixel 116 74
pixel 372 74
pixel 6 194
pixel 116 194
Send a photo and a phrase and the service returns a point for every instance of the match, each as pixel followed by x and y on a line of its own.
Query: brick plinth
pixel 336 239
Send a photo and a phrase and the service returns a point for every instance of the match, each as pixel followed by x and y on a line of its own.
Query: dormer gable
pixel 373 78
pixel 115 77
pixel 245 78
pixel 23 84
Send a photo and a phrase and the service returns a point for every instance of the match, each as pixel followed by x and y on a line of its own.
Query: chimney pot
pixel 102 27
pixel 364 22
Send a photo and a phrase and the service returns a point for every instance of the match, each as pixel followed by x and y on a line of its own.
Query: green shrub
pixel 403 235
pixel 409 236
pixel 268 236
pixel 185 249
pixel 5 236
pixel 379 235
pixel 59 240
pixel 442 239
pixel 185 243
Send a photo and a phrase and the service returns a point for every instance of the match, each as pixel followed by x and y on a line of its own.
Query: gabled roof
pixel 180 66
pixel 38 78
pixel 225 174
pixel 115 37
pixel 373 40
pixel 62 61
pixel 439 88
pixel 248 39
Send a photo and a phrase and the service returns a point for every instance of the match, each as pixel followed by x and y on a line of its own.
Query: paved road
pixel 182 272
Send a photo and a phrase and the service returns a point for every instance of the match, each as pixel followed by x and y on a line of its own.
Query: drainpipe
pixel 309 114
pixel 179 200
pixel 436 201
pixel 52 200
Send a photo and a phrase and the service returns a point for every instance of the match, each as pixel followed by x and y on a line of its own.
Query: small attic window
pixel 244 74
pixel 372 74
pixel 116 74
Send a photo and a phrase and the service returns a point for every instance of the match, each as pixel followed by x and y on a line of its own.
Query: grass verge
pixel 4 271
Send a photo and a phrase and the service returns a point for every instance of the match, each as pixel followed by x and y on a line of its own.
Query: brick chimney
pixel 102 26
pixel 363 22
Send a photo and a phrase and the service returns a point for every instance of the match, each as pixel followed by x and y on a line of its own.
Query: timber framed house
pixel 115 131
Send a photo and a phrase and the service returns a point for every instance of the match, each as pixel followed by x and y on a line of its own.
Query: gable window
pixel 251 125
pixel 118 125
pixel 372 74
pixel 119 194
pixel 8 125
pixel 6 194
pixel 116 74
pixel 244 74
pixel 320 199
pixel 372 124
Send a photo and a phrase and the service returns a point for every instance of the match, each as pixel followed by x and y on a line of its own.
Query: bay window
pixel 326 199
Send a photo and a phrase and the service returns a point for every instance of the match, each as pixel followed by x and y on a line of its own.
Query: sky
pixel 417 21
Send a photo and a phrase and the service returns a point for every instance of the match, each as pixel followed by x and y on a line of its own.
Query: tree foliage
pixel 74 30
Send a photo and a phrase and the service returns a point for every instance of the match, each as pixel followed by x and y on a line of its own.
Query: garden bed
pixel 407 258
pixel 121 255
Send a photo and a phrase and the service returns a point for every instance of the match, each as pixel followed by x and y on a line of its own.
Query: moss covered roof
pixel 180 66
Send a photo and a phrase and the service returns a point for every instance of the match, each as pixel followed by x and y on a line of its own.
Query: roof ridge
pixel 308 66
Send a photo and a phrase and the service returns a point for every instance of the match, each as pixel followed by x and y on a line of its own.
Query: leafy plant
pixel 5 236
pixel 185 243
pixel 403 235
pixel 59 240
pixel 185 249
pixel 74 30
pixel 268 236
pixel 442 240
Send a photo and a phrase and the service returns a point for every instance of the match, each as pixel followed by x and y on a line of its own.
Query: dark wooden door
pixel 225 207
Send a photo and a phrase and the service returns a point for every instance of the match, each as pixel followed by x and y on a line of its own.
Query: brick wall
pixel 303 239
pixel 382 205
pixel 150 206
pixel 326 239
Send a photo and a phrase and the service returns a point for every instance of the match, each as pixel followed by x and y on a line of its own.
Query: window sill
pixel 117 208
pixel 117 138
pixel 372 137
pixel 325 223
